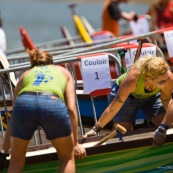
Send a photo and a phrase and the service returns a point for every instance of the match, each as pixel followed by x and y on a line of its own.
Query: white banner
pixel 96 73
pixel 169 42
pixel 141 26
pixel 130 55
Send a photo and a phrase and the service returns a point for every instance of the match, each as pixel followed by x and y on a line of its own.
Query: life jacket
pixel 108 23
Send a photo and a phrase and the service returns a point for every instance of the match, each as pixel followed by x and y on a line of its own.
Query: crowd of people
pixel 45 96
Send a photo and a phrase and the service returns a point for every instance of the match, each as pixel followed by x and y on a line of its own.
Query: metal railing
pixel 69 58
pixel 70 63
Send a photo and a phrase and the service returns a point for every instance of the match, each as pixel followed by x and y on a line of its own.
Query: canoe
pixel 118 161
pixel 134 154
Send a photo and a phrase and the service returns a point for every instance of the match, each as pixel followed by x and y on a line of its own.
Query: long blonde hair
pixel 151 66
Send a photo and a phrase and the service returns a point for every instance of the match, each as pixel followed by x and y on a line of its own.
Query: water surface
pixel 42 19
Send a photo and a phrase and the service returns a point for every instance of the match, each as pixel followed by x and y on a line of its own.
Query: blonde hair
pixel 151 66
pixel 39 58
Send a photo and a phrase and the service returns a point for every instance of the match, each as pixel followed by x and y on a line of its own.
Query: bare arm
pixel 159 135
pixel 19 85
pixel 166 92
pixel 71 105
pixel 70 98
pixel 168 118
pixel 128 85
pixel 128 16
pixel 6 141
pixel 165 98
pixel 17 88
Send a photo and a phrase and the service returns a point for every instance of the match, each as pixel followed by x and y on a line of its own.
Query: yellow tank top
pixel 45 79
pixel 140 90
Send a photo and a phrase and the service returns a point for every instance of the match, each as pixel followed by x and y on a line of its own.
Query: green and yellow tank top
pixel 45 79
pixel 140 90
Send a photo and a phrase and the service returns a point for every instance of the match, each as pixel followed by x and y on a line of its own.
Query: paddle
pixel 118 129
pixel 138 52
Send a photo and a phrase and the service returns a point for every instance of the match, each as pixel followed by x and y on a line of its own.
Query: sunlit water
pixel 42 19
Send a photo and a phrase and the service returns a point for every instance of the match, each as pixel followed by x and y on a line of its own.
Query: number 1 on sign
pixel 97 76
pixel 92 67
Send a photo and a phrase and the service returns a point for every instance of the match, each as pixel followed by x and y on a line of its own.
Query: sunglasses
pixel 163 81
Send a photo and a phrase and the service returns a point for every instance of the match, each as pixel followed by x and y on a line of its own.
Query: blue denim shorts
pixel 151 107
pixel 32 111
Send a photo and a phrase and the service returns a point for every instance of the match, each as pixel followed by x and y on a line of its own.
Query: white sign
pixel 96 73
pixel 130 55
pixel 169 42
pixel 141 26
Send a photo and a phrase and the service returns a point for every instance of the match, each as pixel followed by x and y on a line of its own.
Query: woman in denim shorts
pixel 146 86
pixel 45 97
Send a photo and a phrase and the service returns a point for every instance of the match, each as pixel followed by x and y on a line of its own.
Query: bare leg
pixel 18 151
pixel 6 141
pixel 158 119
pixel 65 150
pixel 126 125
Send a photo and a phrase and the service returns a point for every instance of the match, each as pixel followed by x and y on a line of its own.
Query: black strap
pixel 3 161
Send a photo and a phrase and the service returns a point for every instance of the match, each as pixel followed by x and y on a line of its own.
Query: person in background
pixel 111 15
pixel 6 141
pixel 3 160
pixel 161 12
pixel 159 135
pixel 3 44
pixel 142 87
pixel 4 152
pixel 45 96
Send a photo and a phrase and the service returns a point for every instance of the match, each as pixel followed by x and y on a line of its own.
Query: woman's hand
pixel 79 151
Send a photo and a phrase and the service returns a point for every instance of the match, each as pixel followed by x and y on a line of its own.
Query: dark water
pixel 42 18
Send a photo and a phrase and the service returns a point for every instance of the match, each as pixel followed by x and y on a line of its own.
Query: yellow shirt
pixel 45 79
pixel 140 90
